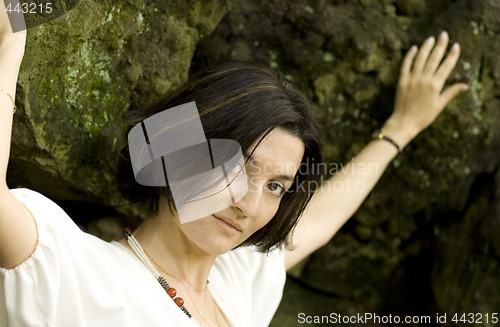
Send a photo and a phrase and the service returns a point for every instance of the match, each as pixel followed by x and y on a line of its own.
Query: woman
pixel 227 268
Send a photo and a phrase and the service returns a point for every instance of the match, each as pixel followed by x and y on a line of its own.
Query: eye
pixel 276 188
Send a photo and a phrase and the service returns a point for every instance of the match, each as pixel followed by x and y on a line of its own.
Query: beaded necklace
pixel 181 280
pixel 191 286
pixel 172 292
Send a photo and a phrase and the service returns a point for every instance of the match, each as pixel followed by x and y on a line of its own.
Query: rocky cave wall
pixel 426 239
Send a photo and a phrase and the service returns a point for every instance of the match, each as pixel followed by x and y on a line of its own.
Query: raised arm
pixel 18 235
pixel 419 100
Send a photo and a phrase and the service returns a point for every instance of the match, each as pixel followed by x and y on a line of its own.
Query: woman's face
pixel 270 173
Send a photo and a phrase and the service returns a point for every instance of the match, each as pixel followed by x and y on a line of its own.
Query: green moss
pixel 309 9
pixel 424 179
pixel 328 57
pixel 324 87
pixel 85 81
pixel 476 87
pixel 477 28
pixel 374 59
pixel 466 66
pixel 205 15
pixel 475 130
pixel 140 20
pixel 273 58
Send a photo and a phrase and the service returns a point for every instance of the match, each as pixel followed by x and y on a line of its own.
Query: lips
pixel 230 222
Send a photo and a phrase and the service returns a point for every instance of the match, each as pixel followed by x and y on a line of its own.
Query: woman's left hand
pixel 420 96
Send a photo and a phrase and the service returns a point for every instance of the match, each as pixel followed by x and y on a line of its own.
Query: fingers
pixel 423 54
pixel 448 64
pixel 437 54
pixel 429 60
pixel 451 92
pixel 406 65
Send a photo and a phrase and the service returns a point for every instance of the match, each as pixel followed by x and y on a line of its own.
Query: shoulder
pixel 41 207
pixel 59 239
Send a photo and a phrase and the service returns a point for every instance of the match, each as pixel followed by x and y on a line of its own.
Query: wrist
pixel 10 97
pixel 398 132
pixel 381 135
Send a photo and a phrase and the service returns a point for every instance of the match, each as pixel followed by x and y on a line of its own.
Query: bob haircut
pixel 244 102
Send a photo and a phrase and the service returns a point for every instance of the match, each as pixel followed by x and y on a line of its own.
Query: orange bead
pixel 179 301
pixel 172 292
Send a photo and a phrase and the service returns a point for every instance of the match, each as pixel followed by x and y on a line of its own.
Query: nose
pixel 248 205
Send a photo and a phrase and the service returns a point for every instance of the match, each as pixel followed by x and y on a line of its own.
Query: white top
pixel 75 279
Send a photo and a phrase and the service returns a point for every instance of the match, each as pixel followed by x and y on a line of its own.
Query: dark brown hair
pixel 244 102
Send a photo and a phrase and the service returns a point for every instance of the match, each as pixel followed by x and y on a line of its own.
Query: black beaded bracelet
pixel 381 136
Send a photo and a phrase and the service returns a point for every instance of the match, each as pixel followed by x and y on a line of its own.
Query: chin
pixel 211 238
pixel 218 247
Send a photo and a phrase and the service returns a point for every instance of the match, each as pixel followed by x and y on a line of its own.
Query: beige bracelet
pixel 11 98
